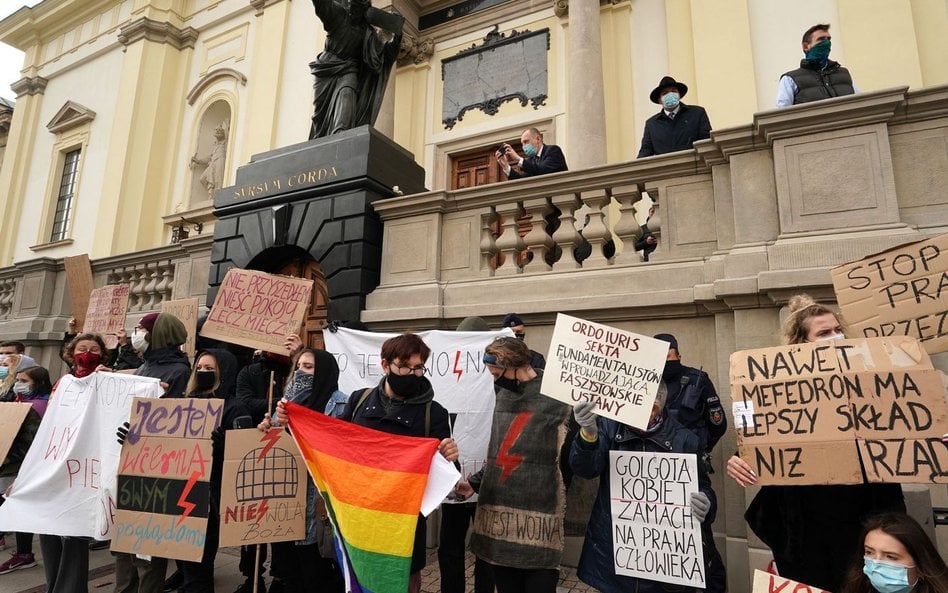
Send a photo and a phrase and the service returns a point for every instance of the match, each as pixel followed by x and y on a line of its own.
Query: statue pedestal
pixel 313 199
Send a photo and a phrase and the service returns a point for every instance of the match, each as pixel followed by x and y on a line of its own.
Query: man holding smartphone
pixel 539 158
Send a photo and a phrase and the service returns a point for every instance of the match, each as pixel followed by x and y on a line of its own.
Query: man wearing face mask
pixel 818 77
pixel 677 126
pixel 693 403
pixel 539 158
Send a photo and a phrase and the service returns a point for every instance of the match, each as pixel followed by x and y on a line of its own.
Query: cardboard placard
pixel 258 310
pixel 12 415
pixel 79 283
pixel 66 484
pixel 654 535
pixel 163 492
pixel 618 370
pixel 764 582
pixel 819 412
pixel 899 292
pixel 106 312
pixel 187 311
pixel 263 491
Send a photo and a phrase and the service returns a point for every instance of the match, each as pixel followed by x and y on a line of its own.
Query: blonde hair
pixel 12 361
pixel 510 352
pixel 802 309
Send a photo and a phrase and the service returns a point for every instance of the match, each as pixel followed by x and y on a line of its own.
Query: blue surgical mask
pixel 4 371
pixel 529 150
pixel 886 577
pixel 23 389
pixel 671 100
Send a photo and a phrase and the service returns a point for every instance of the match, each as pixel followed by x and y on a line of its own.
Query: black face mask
pixel 673 370
pixel 508 384
pixel 407 386
pixel 204 380
pixel 520 336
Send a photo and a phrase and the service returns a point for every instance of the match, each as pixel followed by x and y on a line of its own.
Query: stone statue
pixel 351 72
pixel 213 176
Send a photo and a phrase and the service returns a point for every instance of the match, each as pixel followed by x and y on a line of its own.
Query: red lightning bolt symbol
pixel 261 510
pixel 457 359
pixel 183 499
pixel 506 460
pixel 271 436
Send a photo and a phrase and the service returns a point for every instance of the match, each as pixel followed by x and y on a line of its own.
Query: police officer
pixel 694 403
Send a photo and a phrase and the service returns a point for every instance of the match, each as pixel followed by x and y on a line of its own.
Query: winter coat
pixel 169 365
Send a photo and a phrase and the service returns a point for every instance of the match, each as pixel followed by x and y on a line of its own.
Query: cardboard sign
pixel 66 484
pixel 618 370
pixel 263 491
pixel 654 535
pixel 12 415
pixel 764 582
pixel 164 478
pixel 79 283
pixel 106 312
pixel 258 310
pixel 899 292
pixel 187 311
pixel 817 413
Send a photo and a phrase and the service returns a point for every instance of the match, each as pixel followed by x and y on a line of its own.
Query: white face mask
pixel 139 342
pixel 830 337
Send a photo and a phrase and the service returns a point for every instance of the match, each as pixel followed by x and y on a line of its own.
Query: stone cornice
pixel 211 77
pixel 157 31
pixel 29 86
pixel 260 5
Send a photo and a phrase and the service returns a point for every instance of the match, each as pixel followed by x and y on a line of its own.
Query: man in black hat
pixel 677 126
pixel 694 403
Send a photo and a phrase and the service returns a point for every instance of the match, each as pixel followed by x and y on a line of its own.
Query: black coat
pixel 252 388
pixel 169 365
pixel 550 160
pixel 663 134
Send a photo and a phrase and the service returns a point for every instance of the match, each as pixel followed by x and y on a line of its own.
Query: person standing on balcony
pixel 818 77
pixel 677 126
pixel 540 158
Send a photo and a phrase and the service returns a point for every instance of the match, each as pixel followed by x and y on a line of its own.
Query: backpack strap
pixel 428 419
pixel 362 398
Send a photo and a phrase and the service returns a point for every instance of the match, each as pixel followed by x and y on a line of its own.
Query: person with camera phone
pixel 539 159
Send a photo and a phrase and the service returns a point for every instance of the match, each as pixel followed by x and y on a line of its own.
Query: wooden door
pixel 315 320
pixel 477 167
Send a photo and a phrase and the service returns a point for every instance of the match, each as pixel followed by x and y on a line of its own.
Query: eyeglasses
pixel 407 370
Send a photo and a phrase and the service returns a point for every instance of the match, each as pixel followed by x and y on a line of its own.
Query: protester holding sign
pixel 84 354
pixel 897 558
pixel 159 337
pixel 589 459
pixel 813 531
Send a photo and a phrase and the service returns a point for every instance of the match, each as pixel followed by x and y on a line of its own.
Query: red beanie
pixel 148 321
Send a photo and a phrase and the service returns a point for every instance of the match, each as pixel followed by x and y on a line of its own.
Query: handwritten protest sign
pixel 106 312
pixel 66 484
pixel 654 535
pixel 810 413
pixel 12 415
pixel 186 310
pixel 899 292
pixel 764 582
pixel 263 492
pixel 80 285
pixel 618 370
pixel 164 478
pixel 258 310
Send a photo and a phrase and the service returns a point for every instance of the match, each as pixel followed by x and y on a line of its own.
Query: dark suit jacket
pixel 663 134
pixel 550 160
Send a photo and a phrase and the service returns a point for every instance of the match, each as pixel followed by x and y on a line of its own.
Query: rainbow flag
pixel 373 483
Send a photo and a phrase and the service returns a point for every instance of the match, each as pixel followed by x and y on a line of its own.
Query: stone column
pixel 586 120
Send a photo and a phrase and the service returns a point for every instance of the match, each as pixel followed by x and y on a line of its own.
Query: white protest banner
pixel 455 368
pixel 764 582
pixel 654 535
pixel 618 370
pixel 66 485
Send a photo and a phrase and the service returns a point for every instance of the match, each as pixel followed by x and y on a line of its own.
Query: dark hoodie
pixel 164 359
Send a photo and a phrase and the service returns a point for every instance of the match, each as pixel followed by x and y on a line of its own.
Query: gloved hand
pixel 700 505
pixel 217 438
pixel 122 433
pixel 332 326
pixel 586 418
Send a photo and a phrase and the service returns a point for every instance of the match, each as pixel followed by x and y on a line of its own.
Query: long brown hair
pixel 802 309
pixel 932 572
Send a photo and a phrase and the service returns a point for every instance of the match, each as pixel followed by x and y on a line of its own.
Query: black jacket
pixel 252 388
pixel 550 160
pixel 406 418
pixel 663 134
pixel 694 403
pixel 169 365
pixel 815 83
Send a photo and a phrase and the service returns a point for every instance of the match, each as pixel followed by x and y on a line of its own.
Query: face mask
pixel 4 371
pixel 204 380
pixel 299 388
pixel 139 343
pixel 529 150
pixel 673 370
pixel 508 384
pixel 671 100
pixel 87 360
pixel 819 52
pixel 886 577
pixel 520 336
pixel 407 386
pixel 22 389
pixel 830 337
